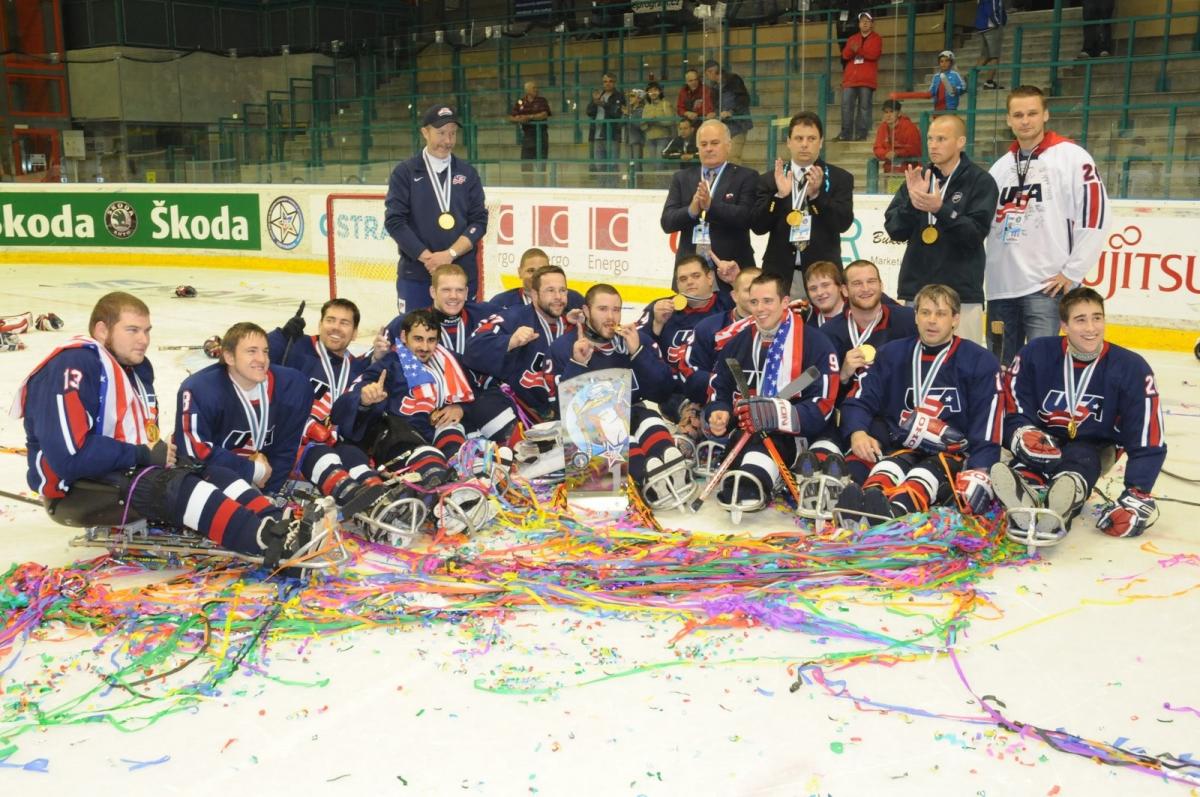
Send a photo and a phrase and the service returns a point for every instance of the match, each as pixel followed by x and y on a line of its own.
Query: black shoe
pixel 360 498
pixel 280 538
pixel 876 503
pixel 850 504
pixel 991 84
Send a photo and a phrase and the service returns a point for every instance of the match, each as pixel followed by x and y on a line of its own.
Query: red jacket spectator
pixel 861 55
pixel 903 142
pixel 699 101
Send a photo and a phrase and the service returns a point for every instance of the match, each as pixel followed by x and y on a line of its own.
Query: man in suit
pixel 710 207
pixel 804 206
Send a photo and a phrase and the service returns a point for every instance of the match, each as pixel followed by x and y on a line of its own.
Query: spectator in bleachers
pixel 682 147
pixel 860 78
pixel 695 101
pixel 733 104
pixel 990 19
pixel 607 112
pixel 947 85
pixel 897 141
pixel 1097 39
pixel 635 139
pixel 531 113
pixel 944 213
pixel 658 117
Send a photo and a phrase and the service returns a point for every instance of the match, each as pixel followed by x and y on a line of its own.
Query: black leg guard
pixel 93 503
pixel 390 438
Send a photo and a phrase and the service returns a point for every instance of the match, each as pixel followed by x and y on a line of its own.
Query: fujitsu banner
pixel 1148 270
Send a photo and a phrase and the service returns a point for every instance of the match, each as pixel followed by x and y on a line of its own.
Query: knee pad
pixel 93 503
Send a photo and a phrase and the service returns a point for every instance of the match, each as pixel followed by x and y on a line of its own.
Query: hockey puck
pixel 212 347
pixel 185 291
pixel 48 321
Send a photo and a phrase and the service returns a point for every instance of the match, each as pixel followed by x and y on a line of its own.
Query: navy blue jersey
pixel 677 331
pixel 331 376
pixel 803 347
pixel 527 370
pixel 700 358
pixel 968 387
pixel 411 217
pixel 217 424
pixel 517 296
pixel 652 379
pixel 896 322
pixel 84 416
pixel 450 385
pixel 1119 407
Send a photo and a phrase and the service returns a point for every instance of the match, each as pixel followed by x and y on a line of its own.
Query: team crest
pixel 285 223
pixel 120 219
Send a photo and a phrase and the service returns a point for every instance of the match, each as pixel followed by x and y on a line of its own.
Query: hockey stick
pixel 795 387
pixel 18 497
pixel 785 473
pixel 288 348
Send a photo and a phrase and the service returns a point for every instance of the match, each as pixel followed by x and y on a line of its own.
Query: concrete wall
pixel 147 85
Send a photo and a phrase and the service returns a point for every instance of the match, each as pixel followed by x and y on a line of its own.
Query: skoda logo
pixel 120 219
pixel 285 223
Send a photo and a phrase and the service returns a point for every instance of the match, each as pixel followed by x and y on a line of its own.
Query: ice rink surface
pixel 1098 638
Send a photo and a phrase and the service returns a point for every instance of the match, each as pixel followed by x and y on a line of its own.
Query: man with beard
pixel 491 413
pixel 603 342
pixel 867 323
pixel 804 206
pixel 531 260
pixel 938 395
pixel 97 458
pixel 513 347
pixel 1072 402
pixel 772 352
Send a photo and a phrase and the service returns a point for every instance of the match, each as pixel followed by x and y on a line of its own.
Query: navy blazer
pixel 728 217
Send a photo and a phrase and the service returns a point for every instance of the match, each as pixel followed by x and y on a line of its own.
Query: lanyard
pixel 921 387
pixel 712 187
pixel 143 398
pixel 552 329
pixel 856 338
pixel 1076 392
pixel 942 190
pixel 337 384
pixel 257 418
pixel 1021 172
pixel 440 192
pixel 800 189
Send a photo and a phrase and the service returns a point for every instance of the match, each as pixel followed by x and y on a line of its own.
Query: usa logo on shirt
pixel 1055 412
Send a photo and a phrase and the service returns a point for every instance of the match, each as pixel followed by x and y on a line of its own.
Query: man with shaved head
pixel 711 207
pixel 944 212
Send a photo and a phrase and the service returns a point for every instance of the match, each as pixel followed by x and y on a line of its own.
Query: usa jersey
pixel 84 416
pixel 1120 406
pixel 514 297
pixel 217 423
pixel 803 347
pixel 454 333
pixel 677 332
pixel 449 385
pixel 700 358
pixel 331 376
pixel 652 379
pixel 895 322
pixel 1050 222
pixel 527 370
pixel 967 385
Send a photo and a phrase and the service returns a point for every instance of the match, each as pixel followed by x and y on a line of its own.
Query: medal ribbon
pixel 799 188
pixel 856 338
pixel 258 419
pixel 921 387
pixel 143 400
pixel 942 190
pixel 712 187
pixel 1074 393
pixel 440 192
pixel 337 384
pixel 457 325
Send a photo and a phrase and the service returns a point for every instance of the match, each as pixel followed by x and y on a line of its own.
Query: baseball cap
pixel 866 14
pixel 439 115
pixel 946 54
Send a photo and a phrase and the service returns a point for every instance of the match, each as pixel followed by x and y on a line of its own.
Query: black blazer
pixel 832 212
pixel 728 216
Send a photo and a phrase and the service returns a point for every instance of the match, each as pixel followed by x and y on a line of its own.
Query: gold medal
pixel 680 302
pixel 795 218
pixel 152 432
pixel 446 221
pixel 1071 427
pixel 929 235
pixel 868 352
